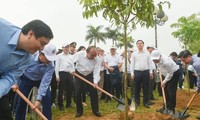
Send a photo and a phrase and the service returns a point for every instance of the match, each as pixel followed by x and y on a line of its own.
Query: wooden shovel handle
pixel 196 93
pixel 92 84
pixel 163 90
pixel 15 89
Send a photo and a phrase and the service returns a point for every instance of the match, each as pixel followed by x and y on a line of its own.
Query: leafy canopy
pixel 188 31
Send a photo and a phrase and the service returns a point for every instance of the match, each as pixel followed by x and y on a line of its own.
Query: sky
pixel 66 21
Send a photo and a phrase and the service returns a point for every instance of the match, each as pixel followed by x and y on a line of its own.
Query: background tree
pixel 112 34
pixel 94 35
pixel 188 32
pixel 125 14
pixel 130 41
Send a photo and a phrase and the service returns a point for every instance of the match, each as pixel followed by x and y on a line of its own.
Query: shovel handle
pixel 97 87
pixel 189 104
pixel 15 89
pixel 163 90
pixel 192 99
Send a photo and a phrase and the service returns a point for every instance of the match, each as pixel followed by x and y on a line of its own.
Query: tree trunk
pixel 125 72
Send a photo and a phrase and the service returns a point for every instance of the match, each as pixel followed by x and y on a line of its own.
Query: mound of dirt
pixel 183 97
pixel 146 116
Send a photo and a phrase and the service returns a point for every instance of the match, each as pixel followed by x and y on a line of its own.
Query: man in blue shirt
pixel 187 58
pixel 39 73
pixel 16 48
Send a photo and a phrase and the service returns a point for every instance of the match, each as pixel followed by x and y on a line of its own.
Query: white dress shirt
pixel 141 61
pixel 62 63
pixel 101 62
pixel 167 67
pixel 112 60
pixel 86 66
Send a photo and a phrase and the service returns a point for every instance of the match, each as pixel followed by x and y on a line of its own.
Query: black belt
pixel 87 76
pixel 141 70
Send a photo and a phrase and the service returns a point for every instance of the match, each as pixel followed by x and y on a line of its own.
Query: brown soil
pixel 183 98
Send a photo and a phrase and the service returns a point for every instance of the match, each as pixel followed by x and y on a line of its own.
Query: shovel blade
pixel 131 104
pixel 121 107
pixel 180 116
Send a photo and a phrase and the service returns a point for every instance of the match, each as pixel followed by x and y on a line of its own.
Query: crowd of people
pixel 28 60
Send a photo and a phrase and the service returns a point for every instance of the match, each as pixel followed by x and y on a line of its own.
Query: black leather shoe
pixel 146 106
pixel 107 101
pixel 69 106
pixel 171 112
pixel 98 114
pixel 198 117
pixel 78 114
pixel 61 108
pixel 136 105
pixel 151 103
pixel 161 110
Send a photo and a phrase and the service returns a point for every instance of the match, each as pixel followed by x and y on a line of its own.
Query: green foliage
pixel 188 31
pixel 120 11
pixel 94 35
pixel 111 34
pixel 130 41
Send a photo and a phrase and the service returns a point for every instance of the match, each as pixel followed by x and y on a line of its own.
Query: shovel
pixel 182 115
pixel 163 92
pixel 98 88
pixel 131 104
pixel 15 89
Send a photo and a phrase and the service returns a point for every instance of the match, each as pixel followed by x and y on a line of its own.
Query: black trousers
pixel 65 84
pixel 80 85
pixel 107 85
pixel 170 90
pixel 141 80
pixel 53 88
pixel 5 108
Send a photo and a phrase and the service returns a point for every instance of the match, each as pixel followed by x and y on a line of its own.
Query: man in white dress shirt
pixel 141 73
pixel 64 77
pixel 87 66
pixel 113 82
pixel 170 72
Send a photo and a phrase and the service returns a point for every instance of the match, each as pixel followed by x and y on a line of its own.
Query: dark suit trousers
pixel 5 109
pixel 170 90
pixel 65 84
pixel 80 85
pixel 141 80
pixel 53 88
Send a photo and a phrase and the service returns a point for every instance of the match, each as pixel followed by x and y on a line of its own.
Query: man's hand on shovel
pixel 163 85
pixel 34 107
pixel 15 87
pixel 36 104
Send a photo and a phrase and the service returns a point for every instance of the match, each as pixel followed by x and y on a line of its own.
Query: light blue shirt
pixel 12 61
pixel 196 64
pixel 37 71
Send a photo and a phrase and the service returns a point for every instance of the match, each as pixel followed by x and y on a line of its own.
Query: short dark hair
pixel 139 41
pixel 89 48
pixel 184 54
pixel 39 28
pixel 174 54
pixel 80 48
pixel 73 44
